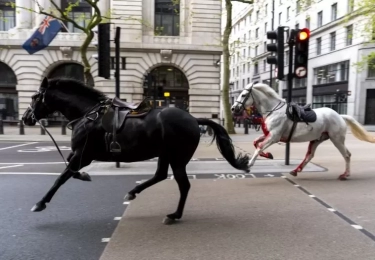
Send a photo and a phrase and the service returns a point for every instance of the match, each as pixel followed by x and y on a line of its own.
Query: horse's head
pixel 244 99
pixel 38 107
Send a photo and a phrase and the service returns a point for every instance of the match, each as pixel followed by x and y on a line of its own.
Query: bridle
pixel 250 93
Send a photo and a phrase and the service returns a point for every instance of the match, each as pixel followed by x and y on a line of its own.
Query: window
pixel 297 26
pixel 319 46
pixel 331 73
pixel 256 50
pixel 265 27
pixel 256 69
pixel 371 68
pixel 298 6
pixel 288 13
pixel 307 22
pixel 167 18
pixel 248 80
pixel 249 51
pixel 333 41
pixel 244 37
pixel 265 46
pixel 350 6
pixel 320 18
pixel 280 18
pixel 349 35
pixel 339 105
pixel 7 17
pixel 257 16
pixel 334 12
pixel 264 65
pixel 266 10
pixel 300 83
pixel 248 67
pixel 243 83
pixel 243 68
pixel 81 14
pixel 257 33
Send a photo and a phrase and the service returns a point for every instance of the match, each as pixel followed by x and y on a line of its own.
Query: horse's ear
pixel 44 83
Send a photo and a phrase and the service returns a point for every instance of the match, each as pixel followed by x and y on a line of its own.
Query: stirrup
pixel 115 147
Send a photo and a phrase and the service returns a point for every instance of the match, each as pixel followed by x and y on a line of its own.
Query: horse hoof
pixel 343 178
pixel 130 196
pixel 168 221
pixel 85 176
pixel 270 156
pixel 293 173
pixel 38 207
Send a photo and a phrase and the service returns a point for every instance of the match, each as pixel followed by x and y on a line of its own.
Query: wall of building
pixel 195 51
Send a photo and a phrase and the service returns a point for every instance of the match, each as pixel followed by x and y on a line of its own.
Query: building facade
pixel 177 42
pixel 337 45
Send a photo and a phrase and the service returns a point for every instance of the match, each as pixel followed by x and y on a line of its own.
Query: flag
pixel 43 36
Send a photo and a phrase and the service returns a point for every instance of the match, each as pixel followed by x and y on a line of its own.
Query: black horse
pixel 170 134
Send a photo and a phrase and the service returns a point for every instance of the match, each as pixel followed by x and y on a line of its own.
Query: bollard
pixel 117 165
pixel 246 125
pixel 1 127
pixel 42 131
pixel 22 128
pixel 63 127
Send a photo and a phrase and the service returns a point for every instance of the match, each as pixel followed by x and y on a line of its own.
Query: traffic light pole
pixel 117 71
pixel 291 44
pixel 272 26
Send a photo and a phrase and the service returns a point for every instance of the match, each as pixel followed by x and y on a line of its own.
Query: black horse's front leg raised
pixel 75 164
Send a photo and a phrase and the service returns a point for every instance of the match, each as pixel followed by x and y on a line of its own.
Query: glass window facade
pixel 331 73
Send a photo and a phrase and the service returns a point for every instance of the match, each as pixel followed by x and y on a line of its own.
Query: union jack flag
pixel 45 24
pixel 43 36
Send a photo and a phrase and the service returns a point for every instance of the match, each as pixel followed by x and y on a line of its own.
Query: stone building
pixel 179 44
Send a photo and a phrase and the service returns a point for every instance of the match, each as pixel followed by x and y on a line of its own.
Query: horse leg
pixel 180 175
pixel 83 176
pixel 263 154
pixel 339 142
pixel 75 164
pixel 161 174
pixel 267 142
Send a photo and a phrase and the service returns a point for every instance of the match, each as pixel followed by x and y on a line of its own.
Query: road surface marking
pixel 126 202
pixel 33 163
pixel 357 226
pixel 106 240
pixel 10 166
pixel 339 214
pixel 14 146
pixel 117 218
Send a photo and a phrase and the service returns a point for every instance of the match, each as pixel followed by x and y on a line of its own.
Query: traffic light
pixel 302 53
pixel 278 49
pixel 104 50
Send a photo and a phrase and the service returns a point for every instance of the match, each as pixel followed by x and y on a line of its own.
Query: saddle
pixel 116 114
pixel 298 113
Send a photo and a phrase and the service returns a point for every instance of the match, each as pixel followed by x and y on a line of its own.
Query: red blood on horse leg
pixel 300 167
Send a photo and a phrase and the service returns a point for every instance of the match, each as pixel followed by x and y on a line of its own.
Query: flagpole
pixel 66 28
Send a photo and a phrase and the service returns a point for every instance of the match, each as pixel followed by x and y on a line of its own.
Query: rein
pixel 87 116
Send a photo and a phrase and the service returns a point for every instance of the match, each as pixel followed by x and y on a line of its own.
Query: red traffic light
pixel 304 34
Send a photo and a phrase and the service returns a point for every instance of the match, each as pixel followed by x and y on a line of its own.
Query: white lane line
pixel 331 209
pixel 14 146
pixel 117 218
pixel 357 226
pixel 11 166
pixel 312 196
pixel 126 202
pixel 36 163
pixel 106 240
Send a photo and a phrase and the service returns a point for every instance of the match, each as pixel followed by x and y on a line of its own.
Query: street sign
pixel 301 72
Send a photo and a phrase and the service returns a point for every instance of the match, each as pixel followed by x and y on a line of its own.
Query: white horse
pixel 278 127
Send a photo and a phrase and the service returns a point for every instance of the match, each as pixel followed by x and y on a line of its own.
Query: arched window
pixel 8 93
pixel 81 14
pixel 169 78
pixel 167 18
pixel 71 70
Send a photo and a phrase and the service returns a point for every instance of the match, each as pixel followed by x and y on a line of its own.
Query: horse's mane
pixel 76 87
pixel 267 90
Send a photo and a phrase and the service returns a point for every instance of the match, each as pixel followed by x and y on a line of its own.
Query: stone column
pixel 23 17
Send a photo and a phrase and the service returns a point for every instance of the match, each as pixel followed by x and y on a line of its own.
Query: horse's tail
pixel 358 130
pixel 225 146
